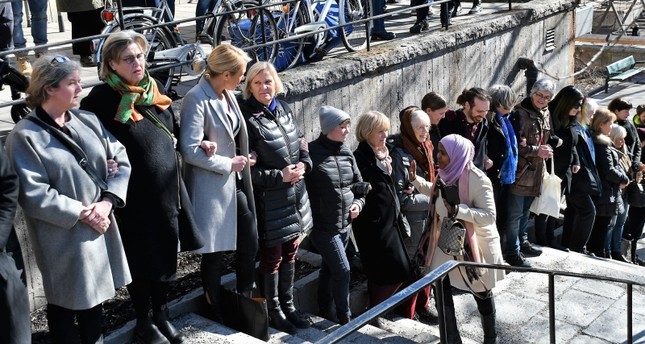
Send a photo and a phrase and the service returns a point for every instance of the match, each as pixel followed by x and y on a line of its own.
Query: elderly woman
pixel 378 228
pixel 337 192
pixel 476 210
pixel 278 179
pixel 613 245
pixel 574 164
pixel 613 178
pixel 412 150
pixel 68 206
pixel 132 106
pixel 225 218
pixel 531 122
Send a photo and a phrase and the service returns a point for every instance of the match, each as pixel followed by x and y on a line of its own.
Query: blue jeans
pixel 616 231
pixel 203 7
pixel 38 12
pixel 377 8
pixel 334 276
pixel 516 222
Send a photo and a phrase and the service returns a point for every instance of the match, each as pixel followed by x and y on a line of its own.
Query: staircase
pixel 586 311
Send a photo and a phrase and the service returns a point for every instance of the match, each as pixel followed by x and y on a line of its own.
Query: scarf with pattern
pixel 145 93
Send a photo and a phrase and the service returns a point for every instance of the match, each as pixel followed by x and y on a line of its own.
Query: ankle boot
pixel 146 332
pixel 285 292
pixel 490 332
pixel 211 273
pixel 277 319
pixel 162 320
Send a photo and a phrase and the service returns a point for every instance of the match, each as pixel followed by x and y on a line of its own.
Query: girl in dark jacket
pixel 377 228
pixel 281 199
pixel 337 192
pixel 612 177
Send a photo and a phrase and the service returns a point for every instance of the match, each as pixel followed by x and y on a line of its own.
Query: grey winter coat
pixel 210 182
pixel 80 267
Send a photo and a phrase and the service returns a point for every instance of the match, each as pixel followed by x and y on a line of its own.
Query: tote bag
pixel 548 202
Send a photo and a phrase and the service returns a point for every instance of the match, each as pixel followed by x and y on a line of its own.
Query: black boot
pixel 285 292
pixel 277 319
pixel 147 333
pixel 211 272
pixel 162 320
pixel 490 332
pixel 452 331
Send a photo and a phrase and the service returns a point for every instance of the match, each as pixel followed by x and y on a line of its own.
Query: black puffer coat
pixel 283 209
pixel 330 184
pixel 611 175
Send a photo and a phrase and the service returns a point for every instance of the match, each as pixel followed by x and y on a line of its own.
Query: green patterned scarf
pixel 146 93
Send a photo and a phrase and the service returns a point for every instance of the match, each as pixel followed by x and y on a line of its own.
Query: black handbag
pixel 248 315
pixel 635 194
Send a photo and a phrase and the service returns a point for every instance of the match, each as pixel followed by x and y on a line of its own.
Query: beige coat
pixel 482 215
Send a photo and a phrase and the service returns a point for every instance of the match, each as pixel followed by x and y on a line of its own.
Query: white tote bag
pixel 548 202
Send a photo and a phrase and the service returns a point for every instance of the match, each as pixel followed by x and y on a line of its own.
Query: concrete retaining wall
pixel 398 74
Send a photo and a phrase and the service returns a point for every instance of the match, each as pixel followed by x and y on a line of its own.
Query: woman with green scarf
pixel 157 217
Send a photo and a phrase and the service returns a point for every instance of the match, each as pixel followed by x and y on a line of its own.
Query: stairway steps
pixel 411 329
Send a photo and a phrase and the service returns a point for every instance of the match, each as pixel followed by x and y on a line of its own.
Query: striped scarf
pixel 145 93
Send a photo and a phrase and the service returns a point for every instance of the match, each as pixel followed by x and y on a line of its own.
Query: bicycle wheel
pixel 288 19
pixel 247 29
pixel 354 36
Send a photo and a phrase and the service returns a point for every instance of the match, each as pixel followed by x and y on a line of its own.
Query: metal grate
pixel 549 40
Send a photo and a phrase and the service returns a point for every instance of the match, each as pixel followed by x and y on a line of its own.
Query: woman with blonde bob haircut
pixel 258 68
pixel 214 145
pixel 378 228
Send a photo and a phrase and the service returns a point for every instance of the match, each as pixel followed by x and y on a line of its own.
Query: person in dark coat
pixel 337 194
pixel 281 199
pixel 470 122
pixel 613 179
pixel 574 163
pixel 378 228
pixel 411 150
pixel 157 219
pixel 14 304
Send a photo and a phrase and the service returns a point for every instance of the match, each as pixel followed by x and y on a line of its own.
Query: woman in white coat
pixel 68 207
pixel 476 210
pixel 214 145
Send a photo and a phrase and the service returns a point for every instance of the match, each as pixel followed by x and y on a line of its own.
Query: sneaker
pixel 420 26
pixel 639 261
pixel 529 250
pixel 456 11
pixel 24 66
pixel 476 9
pixel 517 260
pixel 205 39
pixel 427 316
pixel 383 36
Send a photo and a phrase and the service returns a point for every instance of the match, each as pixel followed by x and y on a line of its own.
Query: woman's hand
pixel 97 215
pixel 412 171
pixel 545 151
pixel 209 147
pixel 575 168
pixel 253 158
pixel 113 168
pixel 293 173
pixel 238 163
pixel 354 210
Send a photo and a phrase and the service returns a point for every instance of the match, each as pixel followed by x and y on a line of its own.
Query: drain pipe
pixel 531 72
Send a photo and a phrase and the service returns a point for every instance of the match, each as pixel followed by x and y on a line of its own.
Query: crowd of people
pixel 235 173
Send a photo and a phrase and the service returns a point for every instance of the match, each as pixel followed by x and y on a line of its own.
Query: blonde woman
pixel 218 176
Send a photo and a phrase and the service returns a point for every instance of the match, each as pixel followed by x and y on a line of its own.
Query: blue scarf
pixel 507 173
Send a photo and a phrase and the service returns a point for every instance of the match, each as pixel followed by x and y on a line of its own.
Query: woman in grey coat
pixel 215 147
pixel 68 206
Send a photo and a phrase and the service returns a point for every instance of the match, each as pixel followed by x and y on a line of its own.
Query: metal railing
pixel 436 276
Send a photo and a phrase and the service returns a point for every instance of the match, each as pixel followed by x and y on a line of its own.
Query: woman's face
pixel 421 128
pixel 442 157
pixel 339 133
pixel 605 128
pixel 130 65
pixel 622 114
pixel 642 117
pixel 263 87
pixel 541 99
pixel 377 137
pixel 619 142
pixel 234 79
pixel 66 95
pixel 436 115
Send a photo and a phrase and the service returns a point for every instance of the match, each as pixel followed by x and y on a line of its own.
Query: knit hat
pixel 330 117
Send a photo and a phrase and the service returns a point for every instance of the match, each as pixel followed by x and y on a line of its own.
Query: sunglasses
pixel 57 60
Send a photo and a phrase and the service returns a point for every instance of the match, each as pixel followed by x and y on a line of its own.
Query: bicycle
pixel 167 54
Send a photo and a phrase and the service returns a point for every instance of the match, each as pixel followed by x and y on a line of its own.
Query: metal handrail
pixel 436 276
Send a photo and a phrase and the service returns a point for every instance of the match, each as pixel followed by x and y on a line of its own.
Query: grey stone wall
pixel 400 73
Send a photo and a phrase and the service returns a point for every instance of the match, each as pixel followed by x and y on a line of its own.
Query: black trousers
pixel 63 330
pixel 634 226
pixel 578 221
pixel 84 24
pixel 596 243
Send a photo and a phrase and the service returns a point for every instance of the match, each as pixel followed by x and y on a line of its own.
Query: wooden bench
pixel 621 70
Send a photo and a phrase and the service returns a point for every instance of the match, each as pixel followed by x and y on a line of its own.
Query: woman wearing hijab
pixel 476 210
pixel 412 150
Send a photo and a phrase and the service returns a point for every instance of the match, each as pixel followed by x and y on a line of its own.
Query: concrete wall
pixel 398 74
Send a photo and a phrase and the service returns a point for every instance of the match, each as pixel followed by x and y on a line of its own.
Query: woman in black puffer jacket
pixel 281 199
pixel 337 192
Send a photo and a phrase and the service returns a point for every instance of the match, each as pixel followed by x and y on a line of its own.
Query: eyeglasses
pixel 130 59
pixel 543 97
pixel 58 60
pixel 577 105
